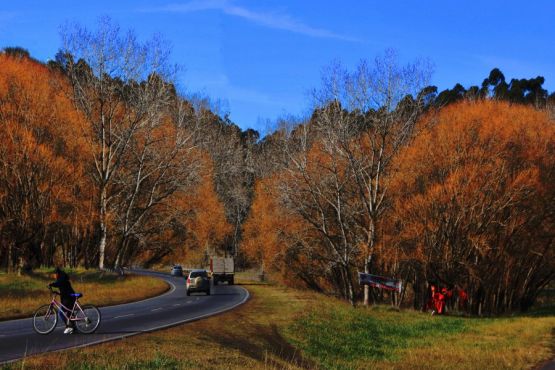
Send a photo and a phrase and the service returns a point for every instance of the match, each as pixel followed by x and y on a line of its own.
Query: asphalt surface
pixel 19 340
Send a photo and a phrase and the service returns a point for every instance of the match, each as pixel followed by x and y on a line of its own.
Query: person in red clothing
pixel 439 301
pixel 438 298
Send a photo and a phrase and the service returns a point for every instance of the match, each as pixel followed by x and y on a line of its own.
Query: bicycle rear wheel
pixel 45 319
pixel 87 319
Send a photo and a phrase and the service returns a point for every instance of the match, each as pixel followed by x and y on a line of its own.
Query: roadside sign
pixel 380 282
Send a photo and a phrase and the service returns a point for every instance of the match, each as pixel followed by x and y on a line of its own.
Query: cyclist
pixel 66 296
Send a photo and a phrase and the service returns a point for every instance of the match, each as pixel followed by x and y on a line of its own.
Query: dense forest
pixel 104 164
pixel 454 188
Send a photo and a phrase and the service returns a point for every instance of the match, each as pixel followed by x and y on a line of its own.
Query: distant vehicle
pixel 177 270
pixel 223 269
pixel 198 281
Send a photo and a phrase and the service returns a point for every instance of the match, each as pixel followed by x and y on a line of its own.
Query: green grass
pixel 340 335
pixel 335 335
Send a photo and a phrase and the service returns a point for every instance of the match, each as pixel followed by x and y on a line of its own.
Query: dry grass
pixel 517 343
pixel 21 295
pixel 284 328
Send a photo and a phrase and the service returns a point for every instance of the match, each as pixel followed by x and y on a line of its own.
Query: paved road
pixel 18 340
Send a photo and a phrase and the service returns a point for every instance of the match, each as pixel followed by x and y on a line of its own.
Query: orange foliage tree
pixel 302 220
pixel 207 223
pixel 191 223
pixel 44 195
pixel 159 194
pixel 281 241
pixel 474 205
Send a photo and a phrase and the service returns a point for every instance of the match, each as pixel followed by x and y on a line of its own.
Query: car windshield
pixel 177 267
pixel 195 274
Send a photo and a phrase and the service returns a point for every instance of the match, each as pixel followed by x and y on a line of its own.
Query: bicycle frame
pixel 61 308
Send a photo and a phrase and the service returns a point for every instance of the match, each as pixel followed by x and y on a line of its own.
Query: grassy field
pixel 21 295
pixel 338 336
pixel 285 328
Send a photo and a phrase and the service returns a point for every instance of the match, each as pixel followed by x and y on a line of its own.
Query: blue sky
pixel 260 58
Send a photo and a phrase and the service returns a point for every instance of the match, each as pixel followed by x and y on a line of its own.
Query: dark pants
pixel 68 302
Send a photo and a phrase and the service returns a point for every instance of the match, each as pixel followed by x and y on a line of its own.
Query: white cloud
pixel 273 20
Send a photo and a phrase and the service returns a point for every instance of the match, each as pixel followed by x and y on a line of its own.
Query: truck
pixel 222 269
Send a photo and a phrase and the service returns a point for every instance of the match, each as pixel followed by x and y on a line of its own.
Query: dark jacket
pixel 62 283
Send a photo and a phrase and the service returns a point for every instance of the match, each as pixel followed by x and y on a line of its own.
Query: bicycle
pixel 87 318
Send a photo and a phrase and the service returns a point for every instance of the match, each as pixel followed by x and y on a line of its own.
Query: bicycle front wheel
pixel 87 319
pixel 45 319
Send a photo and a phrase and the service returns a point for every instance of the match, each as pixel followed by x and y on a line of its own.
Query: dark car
pixel 177 270
pixel 198 281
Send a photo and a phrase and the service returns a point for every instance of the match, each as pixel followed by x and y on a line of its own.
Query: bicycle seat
pixel 77 295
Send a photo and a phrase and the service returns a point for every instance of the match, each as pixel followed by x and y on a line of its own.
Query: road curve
pixel 18 340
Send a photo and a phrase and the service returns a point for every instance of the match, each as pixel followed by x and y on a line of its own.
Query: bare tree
pixel 121 86
pixel 381 104
pixel 317 186
pixel 161 161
